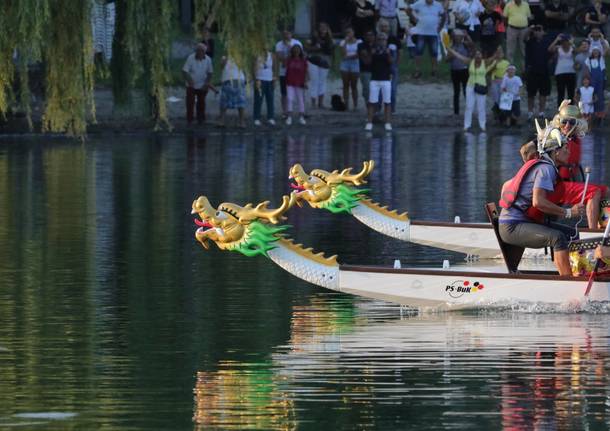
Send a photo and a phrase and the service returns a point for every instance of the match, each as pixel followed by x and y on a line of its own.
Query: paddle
pixel 597 262
pixel 584 192
pixel 582 201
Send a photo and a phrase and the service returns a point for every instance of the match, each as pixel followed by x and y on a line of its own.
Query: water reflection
pixel 458 371
pixel 242 396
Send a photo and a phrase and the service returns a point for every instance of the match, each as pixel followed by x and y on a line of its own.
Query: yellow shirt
pixel 476 75
pixel 517 15
pixel 500 69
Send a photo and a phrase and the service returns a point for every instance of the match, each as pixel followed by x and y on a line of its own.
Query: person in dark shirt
pixel 365 52
pixel 537 74
pixel 395 45
pixel 381 80
pixel 363 17
pixel 556 17
pixel 597 15
pixel 489 22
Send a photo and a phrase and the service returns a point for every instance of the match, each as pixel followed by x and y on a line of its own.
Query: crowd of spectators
pixel 471 35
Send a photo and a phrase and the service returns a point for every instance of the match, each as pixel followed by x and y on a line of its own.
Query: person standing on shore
pixel 395 46
pixel 365 56
pixel 517 13
pixel 565 74
pixel 264 80
pixel 459 68
pixel 381 81
pixel 350 67
pixel 429 16
pixel 282 52
pixel 597 72
pixel 388 10
pixel 537 74
pixel 197 72
pixel 476 89
pixel 233 92
pixel 467 14
pixel 320 49
pixel 296 83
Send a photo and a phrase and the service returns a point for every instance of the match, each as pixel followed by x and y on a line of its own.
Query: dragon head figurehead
pixel 334 190
pixel 248 229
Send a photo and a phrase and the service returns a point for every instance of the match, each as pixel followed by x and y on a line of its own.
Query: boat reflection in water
pixel 242 396
pixel 389 369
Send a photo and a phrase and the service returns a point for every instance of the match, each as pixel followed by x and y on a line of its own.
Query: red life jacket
pixel 510 191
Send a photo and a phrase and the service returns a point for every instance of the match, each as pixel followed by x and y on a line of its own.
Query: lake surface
pixel 113 317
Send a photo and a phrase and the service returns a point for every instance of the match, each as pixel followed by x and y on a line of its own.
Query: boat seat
pixel 512 253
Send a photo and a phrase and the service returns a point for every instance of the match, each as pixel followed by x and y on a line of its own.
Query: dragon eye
pixel 218 214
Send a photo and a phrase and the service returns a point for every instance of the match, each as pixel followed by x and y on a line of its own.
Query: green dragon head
pixel 248 229
pixel 334 191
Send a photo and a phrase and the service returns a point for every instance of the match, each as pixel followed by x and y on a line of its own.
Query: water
pixel 113 317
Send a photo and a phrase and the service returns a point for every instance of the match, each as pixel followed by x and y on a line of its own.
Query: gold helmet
pixel 572 115
pixel 569 111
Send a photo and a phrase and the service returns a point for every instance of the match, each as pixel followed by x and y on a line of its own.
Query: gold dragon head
pixel 317 187
pixel 228 225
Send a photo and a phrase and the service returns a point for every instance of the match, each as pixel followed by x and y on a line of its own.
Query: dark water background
pixel 113 317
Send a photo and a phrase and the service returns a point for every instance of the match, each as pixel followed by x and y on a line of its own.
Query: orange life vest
pixel 510 191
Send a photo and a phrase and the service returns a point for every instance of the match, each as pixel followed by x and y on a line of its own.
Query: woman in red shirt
pixel 296 82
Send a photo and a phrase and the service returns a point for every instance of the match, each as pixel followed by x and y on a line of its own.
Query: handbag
pixel 480 89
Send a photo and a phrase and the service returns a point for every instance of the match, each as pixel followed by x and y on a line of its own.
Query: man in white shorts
pixel 381 81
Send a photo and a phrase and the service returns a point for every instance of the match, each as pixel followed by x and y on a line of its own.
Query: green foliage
pixel 247 27
pixel 23 24
pixel 141 48
pixel 69 58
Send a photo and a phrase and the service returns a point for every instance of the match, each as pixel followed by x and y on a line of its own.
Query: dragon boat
pixel 257 231
pixel 340 192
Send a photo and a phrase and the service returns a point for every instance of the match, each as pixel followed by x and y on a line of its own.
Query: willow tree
pixel 69 64
pixel 141 53
pixel 246 28
pixel 23 24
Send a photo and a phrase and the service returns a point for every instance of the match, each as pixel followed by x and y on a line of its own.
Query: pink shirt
pixel 296 72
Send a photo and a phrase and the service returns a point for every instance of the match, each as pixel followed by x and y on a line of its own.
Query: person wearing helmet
pixel 573 126
pixel 568 193
pixel 525 201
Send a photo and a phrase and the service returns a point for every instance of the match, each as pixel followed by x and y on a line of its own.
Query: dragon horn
pixel 202 205
pixel 272 215
pixel 538 129
pixel 359 178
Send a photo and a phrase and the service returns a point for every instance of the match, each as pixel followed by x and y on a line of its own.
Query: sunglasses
pixel 570 121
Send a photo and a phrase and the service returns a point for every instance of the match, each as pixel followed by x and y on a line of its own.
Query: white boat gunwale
pixel 528 275
pixel 479 225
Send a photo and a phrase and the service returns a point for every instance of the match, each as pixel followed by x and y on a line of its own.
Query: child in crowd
pixel 512 84
pixel 597 72
pixel 296 82
pixel 586 99
pixel 497 74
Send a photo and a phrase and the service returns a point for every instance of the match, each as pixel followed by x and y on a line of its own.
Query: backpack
pixel 337 103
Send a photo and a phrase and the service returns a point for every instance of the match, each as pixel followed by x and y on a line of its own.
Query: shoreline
pixel 418 105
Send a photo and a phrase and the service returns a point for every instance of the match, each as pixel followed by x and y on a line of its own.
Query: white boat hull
pixel 476 240
pixel 451 290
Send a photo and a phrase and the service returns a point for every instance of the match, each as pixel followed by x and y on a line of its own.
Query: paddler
pixel 525 202
pixel 570 192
